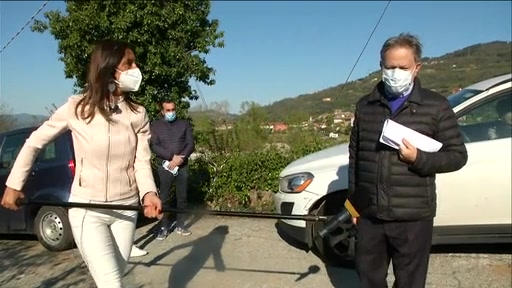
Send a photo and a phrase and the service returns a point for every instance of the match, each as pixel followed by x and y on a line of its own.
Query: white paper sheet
pixel 393 133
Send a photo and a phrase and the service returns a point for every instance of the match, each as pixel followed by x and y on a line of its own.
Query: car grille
pixel 286 208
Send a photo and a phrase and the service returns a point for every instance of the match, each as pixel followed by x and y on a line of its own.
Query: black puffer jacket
pixel 380 184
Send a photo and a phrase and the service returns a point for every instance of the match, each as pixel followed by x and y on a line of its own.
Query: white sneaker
pixel 137 252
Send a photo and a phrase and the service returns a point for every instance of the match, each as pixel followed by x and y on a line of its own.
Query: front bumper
pixel 294 204
pixel 296 233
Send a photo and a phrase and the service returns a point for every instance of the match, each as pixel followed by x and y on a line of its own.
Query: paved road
pixel 230 252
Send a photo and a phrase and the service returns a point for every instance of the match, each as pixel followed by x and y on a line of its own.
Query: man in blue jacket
pixel 173 143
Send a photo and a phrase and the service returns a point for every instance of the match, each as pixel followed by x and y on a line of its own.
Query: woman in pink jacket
pixel 111 140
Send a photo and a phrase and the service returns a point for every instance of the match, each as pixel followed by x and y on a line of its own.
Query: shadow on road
pixel 210 245
pixel 313 269
pixel 339 276
pixel 347 276
pixel 150 235
pixel 289 239
pixel 342 277
pixel 24 255
pixel 184 270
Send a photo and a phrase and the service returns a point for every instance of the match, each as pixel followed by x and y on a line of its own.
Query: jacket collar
pixel 378 93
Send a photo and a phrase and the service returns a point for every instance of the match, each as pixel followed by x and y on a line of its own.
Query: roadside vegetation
pixel 238 157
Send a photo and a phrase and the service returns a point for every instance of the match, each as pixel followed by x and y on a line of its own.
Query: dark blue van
pixel 50 179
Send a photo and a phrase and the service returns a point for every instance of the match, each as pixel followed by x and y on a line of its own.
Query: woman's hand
pixel 152 205
pixel 10 197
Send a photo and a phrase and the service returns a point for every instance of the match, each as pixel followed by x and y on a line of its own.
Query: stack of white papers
pixel 393 134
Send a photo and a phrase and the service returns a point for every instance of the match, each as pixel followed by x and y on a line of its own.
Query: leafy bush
pixel 238 168
pixel 242 173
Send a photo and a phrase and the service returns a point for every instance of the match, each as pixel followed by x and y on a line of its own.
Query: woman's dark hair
pixel 105 58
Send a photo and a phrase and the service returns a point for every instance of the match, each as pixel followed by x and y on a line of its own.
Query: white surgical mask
pixel 398 81
pixel 129 80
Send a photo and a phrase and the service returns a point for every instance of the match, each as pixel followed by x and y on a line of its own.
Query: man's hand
pixel 152 206
pixel 354 220
pixel 171 165
pixel 407 152
pixel 10 197
pixel 178 159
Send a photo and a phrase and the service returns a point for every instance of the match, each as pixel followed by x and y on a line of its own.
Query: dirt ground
pixel 234 252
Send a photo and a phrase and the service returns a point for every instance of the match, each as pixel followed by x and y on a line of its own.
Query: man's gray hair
pixel 404 40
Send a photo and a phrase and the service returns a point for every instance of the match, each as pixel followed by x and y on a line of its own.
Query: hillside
pixel 451 71
pixel 444 74
pixel 26 120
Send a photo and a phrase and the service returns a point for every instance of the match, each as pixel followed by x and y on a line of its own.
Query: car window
pixel 462 96
pixel 9 151
pixel 48 154
pixel 488 120
pixel 56 152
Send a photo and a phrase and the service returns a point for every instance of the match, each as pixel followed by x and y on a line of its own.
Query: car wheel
pixel 337 248
pixel 52 228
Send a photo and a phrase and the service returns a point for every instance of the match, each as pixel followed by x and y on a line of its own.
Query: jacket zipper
pixel 128 174
pixel 81 169
pixel 391 115
pixel 107 164
pixel 379 171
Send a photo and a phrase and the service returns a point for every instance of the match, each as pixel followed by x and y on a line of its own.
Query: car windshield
pixel 461 96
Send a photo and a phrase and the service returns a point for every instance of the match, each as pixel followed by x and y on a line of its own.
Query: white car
pixel 473 203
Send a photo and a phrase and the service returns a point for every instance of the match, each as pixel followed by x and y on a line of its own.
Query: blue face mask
pixel 170 116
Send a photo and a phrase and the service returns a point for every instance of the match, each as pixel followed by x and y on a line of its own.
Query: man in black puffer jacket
pixel 395 188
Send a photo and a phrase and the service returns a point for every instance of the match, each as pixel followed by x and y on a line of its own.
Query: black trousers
pixel 166 182
pixel 406 244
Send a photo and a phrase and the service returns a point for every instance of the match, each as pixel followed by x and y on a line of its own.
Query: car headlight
pixel 295 183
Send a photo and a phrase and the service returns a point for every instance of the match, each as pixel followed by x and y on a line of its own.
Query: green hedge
pixel 239 166
pixel 244 180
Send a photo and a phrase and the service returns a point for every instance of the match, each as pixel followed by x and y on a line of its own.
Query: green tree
pixel 170 39
pixel 250 130
pixel 329 121
pixel 295 117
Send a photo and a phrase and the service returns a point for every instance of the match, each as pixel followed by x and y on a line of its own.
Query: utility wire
pixel 26 24
pixel 364 48
pixel 353 67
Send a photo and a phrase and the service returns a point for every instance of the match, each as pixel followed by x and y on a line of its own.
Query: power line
pixel 367 41
pixel 24 26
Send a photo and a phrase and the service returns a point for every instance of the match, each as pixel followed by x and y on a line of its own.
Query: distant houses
pixel 334 121
pixel 276 126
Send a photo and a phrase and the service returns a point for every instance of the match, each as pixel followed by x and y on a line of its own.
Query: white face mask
pixel 129 80
pixel 398 81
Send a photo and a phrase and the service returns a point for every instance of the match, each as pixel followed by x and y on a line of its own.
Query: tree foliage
pixel 245 179
pixel 240 161
pixel 170 39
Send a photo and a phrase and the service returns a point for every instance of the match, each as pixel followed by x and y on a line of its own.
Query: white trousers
pixel 104 239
